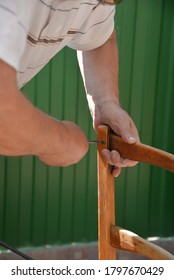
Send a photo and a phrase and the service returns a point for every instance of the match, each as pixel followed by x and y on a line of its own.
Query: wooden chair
pixel 111 236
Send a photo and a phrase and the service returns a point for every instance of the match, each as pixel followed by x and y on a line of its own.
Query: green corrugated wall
pixel 146 40
pixel 49 205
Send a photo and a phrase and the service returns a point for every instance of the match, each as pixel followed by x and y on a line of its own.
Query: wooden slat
pixel 106 201
pixel 143 153
pixel 130 242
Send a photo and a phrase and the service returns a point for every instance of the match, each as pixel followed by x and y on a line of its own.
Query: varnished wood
pixel 109 235
pixel 142 153
pixel 130 242
pixel 106 201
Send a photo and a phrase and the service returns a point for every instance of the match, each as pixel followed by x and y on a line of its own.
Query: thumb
pixel 128 136
pixel 128 132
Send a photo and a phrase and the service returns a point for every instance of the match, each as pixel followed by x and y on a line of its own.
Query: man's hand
pixel 120 122
pixel 70 149
pixel 25 130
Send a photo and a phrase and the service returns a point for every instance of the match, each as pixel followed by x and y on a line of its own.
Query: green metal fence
pixel 49 205
pixel 146 38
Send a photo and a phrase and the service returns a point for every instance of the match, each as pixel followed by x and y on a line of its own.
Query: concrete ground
pixel 87 251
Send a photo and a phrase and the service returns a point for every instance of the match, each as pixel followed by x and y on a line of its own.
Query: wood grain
pixel 131 242
pixel 110 236
pixel 106 201
pixel 142 153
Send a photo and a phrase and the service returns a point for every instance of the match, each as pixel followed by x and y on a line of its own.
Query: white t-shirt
pixel 33 31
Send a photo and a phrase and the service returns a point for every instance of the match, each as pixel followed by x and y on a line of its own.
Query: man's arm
pixel 99 69
pixel 25 130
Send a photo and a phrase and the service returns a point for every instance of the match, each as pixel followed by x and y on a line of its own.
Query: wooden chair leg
pixel 106 200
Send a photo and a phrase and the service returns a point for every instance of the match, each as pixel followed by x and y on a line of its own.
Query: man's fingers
pixel 116 171
pixel 107 156
pixel 129 134
pixel 126 129
pixel 114 158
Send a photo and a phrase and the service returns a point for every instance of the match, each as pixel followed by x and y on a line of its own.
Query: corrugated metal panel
pixel 47 205
pixel 145 34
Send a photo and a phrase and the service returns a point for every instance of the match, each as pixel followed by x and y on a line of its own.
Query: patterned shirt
pixel 33 31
